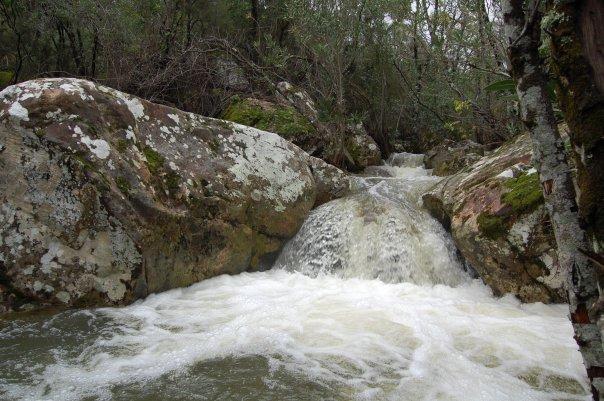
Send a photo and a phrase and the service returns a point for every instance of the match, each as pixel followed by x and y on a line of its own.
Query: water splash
pixel 381 232
pixel 382 312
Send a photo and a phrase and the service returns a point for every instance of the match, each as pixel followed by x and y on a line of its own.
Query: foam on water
pixel 368 302
pixel 367 338
pixel 378 233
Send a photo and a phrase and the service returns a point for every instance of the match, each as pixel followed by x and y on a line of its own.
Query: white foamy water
pixel 368 302
pixel 381 232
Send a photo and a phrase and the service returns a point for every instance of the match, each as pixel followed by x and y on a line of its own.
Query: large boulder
pixel 293 115
pixel 106 197
pixel 494 210
pixel 449 156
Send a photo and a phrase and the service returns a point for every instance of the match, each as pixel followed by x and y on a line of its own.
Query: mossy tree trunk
pixel 576 31
pixel 522 31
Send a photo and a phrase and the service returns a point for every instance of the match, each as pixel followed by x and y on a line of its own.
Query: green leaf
pixel 502 86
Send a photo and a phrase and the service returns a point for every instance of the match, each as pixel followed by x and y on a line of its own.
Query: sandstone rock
pixel 494 210
pixel 106 197
pixel 449 157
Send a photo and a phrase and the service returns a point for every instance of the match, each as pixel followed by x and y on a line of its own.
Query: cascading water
pixel 367 302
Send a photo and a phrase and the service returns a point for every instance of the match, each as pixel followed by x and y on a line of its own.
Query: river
pixel 369 301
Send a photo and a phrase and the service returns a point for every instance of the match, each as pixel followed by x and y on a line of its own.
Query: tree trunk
pixel 576 31
pixel 522 31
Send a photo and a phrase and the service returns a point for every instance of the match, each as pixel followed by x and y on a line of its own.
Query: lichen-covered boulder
pixel 293 115
pixel 494 210
pixel 299 99
pixel 105 197
pixel 449 157
pixel 361 149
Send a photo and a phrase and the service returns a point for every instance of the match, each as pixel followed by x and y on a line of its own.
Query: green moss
pixel 491 226
pixel 155 161
pixel 122 145
pixel 83 162
pixel 5 78
pixel 123 185
pixel 172 181
pixel 282 120
pixel 525 195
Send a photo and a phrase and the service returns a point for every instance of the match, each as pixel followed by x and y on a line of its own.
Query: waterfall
pixel 381 232
pixel 369 301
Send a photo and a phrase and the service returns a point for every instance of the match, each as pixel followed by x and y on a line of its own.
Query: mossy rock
pixel 282 120
pixel 526 194
pixel 123 185
pixel 155 161
pixel 491 226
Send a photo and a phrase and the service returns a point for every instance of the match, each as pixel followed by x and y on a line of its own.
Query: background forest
pixel 412 71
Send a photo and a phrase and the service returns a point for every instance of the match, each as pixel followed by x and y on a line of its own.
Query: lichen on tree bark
pixel 523 35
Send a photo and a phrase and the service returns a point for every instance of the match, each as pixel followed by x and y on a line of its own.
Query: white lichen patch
pixel 75 87
pixel 520 232
pixel 63 296
pixel 130 134
pixel 254 156
pixel 175 118
pixel 99 147
pixel 135 106
pixel 19 112
pixel 509 173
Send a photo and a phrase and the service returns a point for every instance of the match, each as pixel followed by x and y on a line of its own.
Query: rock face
pixel 449 157
pixel 294 116
pixel 106 197
pixel 494 210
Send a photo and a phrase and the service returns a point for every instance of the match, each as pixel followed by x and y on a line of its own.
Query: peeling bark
pixel 522 30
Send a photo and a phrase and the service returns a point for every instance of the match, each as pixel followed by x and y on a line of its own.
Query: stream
pixel 369 301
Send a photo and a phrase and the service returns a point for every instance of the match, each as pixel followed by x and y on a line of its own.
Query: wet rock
pixel 449 157
pixel 330 181
pixel 106 197
pixel 378 171
pixel 494 210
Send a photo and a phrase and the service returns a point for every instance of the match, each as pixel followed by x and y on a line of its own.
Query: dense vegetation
pixel 413 71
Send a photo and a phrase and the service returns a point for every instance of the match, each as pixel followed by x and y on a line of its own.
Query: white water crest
pixel 368 302
pixel 381 232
